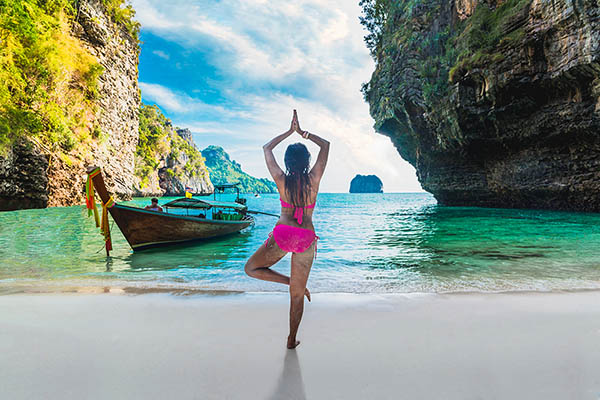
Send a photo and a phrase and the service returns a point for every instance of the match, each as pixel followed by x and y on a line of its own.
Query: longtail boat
pixel 144 229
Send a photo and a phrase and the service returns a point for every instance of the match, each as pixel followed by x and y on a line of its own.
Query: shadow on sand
pixel 290 385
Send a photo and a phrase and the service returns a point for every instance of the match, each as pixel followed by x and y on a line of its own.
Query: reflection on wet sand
pixel 128 290
pixel 290 384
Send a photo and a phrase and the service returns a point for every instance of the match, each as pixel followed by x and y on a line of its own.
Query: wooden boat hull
pixel 146 229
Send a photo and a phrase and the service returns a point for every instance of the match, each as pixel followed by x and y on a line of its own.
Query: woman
pixel 294 232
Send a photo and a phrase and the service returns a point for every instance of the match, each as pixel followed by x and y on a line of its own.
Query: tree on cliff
pixel 375 13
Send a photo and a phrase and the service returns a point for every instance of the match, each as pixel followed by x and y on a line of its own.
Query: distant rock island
pixel 366 184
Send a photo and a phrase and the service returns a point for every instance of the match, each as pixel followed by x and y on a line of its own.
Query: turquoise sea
pixel 376 243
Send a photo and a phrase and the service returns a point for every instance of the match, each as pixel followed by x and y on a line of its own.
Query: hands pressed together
pixel 295 127
pixel 319 166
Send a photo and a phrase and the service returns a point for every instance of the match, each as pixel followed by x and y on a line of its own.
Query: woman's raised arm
pixel 274 168
pixel 319 168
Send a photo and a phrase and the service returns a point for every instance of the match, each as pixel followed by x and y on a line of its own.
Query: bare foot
pixel 307 294
pixel 292 344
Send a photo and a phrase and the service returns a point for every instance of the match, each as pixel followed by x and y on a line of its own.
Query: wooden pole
pixel 99 185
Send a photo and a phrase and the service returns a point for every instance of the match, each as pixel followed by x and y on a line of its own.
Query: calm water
pixel 369 243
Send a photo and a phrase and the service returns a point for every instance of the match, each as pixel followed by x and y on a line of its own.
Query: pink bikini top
pixel 299 211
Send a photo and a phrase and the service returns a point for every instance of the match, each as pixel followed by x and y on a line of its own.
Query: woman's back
pixel 297 215
pixel 299 211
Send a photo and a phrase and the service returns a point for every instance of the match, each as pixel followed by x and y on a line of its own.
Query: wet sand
pixel 157 346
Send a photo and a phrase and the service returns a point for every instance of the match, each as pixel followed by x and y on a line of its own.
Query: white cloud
pixel 161 54
pixel 336 29
pixel 163 96
pixel 183 103
pixel 275 56
pixel 150 17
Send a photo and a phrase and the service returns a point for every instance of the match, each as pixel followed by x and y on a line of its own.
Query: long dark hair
pixel 297 181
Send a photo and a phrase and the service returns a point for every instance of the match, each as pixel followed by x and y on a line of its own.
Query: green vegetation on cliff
pixel 122 13
pixel 152 141
pixel 447 49
pixel 164 147
pixel 48 80
pixel 395 33
pixel 485 33
pixel 225 170
pixel 159 141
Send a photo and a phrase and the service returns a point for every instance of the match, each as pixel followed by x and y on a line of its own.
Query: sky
pixel 232 71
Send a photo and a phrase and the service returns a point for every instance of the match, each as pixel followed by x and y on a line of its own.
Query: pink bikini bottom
pixel 292 239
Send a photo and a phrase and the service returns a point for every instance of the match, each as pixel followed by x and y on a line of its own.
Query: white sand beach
pixel 159 346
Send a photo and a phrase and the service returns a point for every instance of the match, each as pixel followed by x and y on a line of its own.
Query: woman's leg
pixel 258 264
pixel 301 264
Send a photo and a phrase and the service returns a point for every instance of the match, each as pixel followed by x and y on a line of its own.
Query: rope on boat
pixel 104 227
pixel 263 213
pixel 103 246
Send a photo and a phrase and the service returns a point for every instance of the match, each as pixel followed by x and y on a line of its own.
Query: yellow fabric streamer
pixel 96 216
pixel 90 201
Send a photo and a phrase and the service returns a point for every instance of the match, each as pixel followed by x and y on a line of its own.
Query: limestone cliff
pixel 119 95
pixel 88 112
pixel 495 103
pixel 366 184
pixel 167 160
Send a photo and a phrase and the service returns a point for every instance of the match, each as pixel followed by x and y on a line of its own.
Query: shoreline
pixel 66 288
pixel 353 346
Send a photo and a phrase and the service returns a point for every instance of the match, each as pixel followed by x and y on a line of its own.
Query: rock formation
pixel 495 103
pixel 119 96
pixel 225 170
pixel 34 176
pixel 366 184
pixel 23 178
pixel 186 135
pixel 167 160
